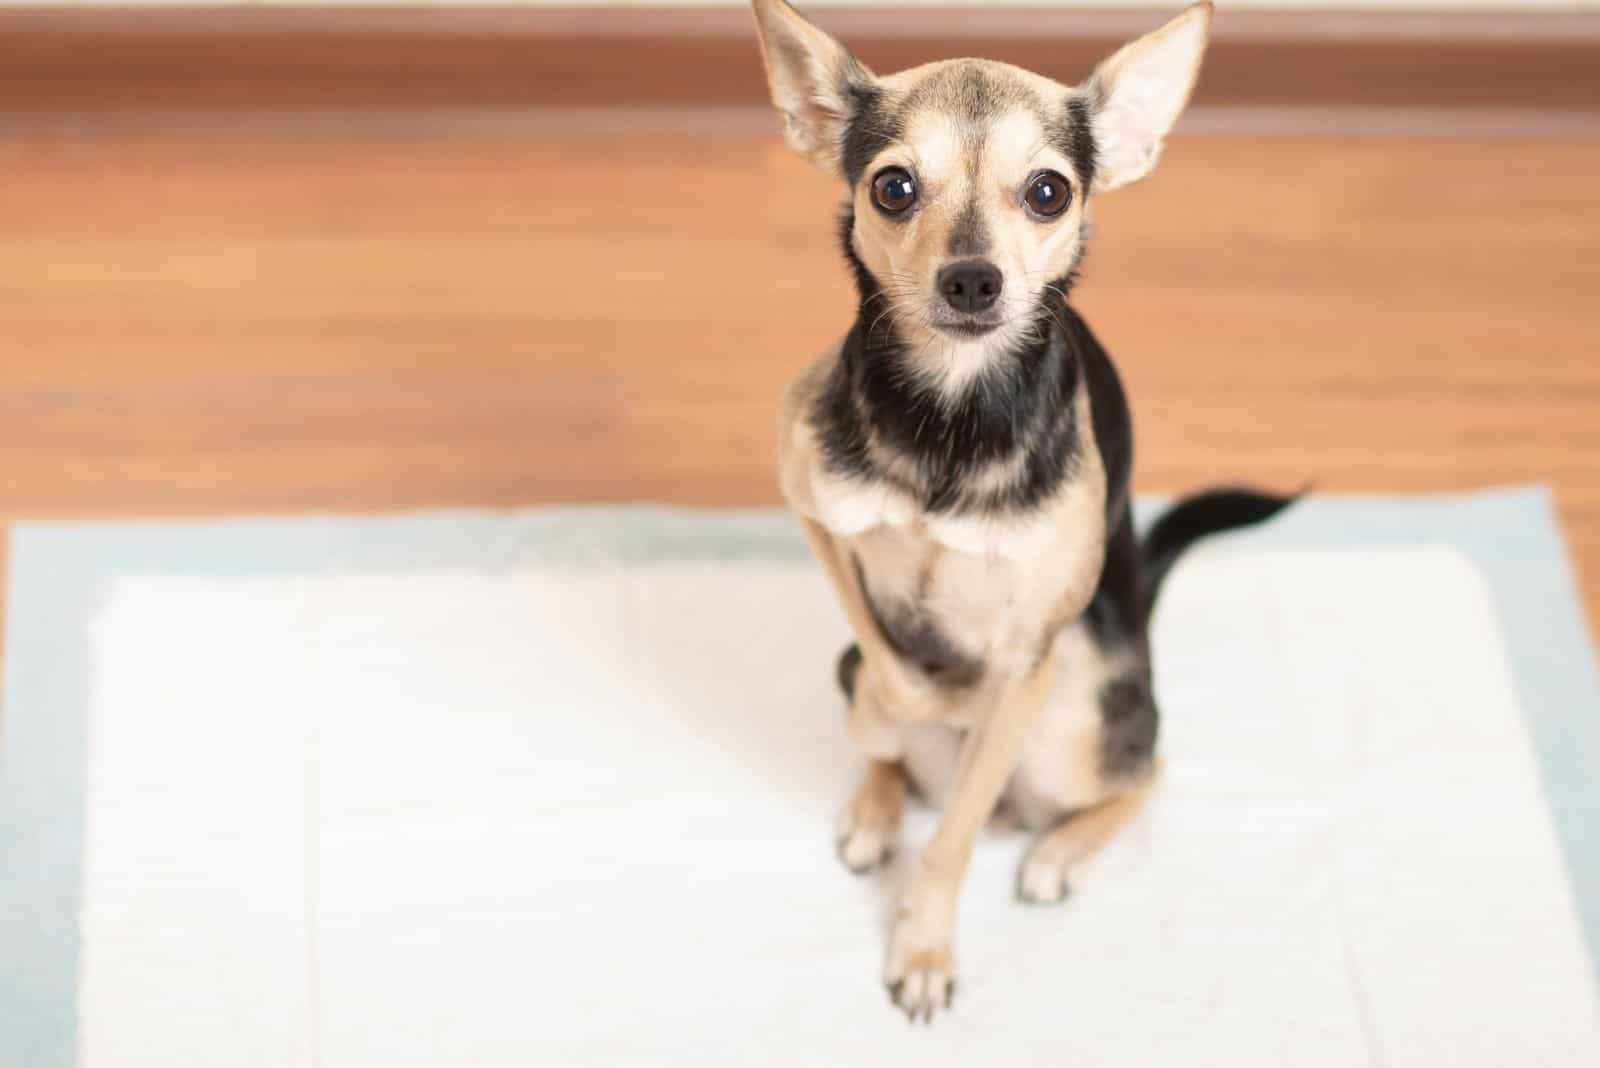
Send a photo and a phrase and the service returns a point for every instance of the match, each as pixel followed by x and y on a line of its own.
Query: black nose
pixel 971 285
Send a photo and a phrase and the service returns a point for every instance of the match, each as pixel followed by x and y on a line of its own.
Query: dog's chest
pixel 946 590
pixel 940 606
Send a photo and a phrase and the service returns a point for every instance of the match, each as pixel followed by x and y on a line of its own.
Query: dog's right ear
pixel 814 81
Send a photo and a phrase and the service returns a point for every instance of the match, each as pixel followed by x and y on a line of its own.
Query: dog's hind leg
pixel 1092 763
pixel 1047 867
pixel 869 825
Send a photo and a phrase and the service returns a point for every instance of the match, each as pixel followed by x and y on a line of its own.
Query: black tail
pixel 1196 517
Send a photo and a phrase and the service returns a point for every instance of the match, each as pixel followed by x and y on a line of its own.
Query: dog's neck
pixel 972 428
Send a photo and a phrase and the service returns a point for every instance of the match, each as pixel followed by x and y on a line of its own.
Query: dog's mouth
pixel 968 327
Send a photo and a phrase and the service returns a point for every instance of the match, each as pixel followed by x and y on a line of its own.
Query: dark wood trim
pixel 133 65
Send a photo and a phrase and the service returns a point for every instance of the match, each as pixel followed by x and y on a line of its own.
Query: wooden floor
pixel 199 324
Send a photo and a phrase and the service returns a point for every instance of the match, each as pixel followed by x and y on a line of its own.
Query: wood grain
pixel 216 324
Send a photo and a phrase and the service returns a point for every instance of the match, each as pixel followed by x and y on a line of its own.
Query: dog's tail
pixel 1202 515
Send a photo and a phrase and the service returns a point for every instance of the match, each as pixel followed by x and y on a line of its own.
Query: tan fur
pixel 804 69
pixel 1051 860
pixel 1060 768
pixel 868 825
pixel 1143 88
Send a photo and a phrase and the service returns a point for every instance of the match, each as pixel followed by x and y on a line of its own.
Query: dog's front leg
pixel 920 967
pixel 888 693
pixel 879 711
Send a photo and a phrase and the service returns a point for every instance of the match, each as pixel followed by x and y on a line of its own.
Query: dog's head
pixel 969 179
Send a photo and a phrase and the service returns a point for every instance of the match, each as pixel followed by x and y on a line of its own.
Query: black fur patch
pixel 1072 134
pixel 873 126
pixel 849 668
pixel 841 430
pixel 1129 723
pixel 1116 616
pixel 1113 422
pixel 913 635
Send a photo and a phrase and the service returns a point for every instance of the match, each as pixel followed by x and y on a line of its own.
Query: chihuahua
pixel 961 461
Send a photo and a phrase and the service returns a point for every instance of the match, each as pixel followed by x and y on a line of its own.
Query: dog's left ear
pixel 814 82
pixel 1137 94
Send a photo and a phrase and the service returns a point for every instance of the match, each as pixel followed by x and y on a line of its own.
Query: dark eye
pixel 894 190
pixel 1048 194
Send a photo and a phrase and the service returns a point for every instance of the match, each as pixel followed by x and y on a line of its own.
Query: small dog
pixel 961 461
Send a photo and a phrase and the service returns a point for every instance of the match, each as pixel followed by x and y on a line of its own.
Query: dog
pixel 961 460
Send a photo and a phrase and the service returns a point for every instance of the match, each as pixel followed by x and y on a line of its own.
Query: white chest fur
pixel 850 510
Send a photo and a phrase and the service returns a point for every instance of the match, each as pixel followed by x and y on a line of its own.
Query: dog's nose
pixel 971 285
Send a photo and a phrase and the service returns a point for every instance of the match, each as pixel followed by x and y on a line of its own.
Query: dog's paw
pixel 921 979
pixel 868 826
pixel 1042 879
pixel 864 849
pixel 865 840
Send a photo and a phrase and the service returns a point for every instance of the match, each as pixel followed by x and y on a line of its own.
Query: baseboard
pixel 133 66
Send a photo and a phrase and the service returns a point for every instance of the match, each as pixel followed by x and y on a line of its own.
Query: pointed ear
pixel 1136 95
pixel 814 82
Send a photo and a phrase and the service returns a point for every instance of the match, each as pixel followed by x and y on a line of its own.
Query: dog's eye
pixel 1048 194
pixel 894 190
